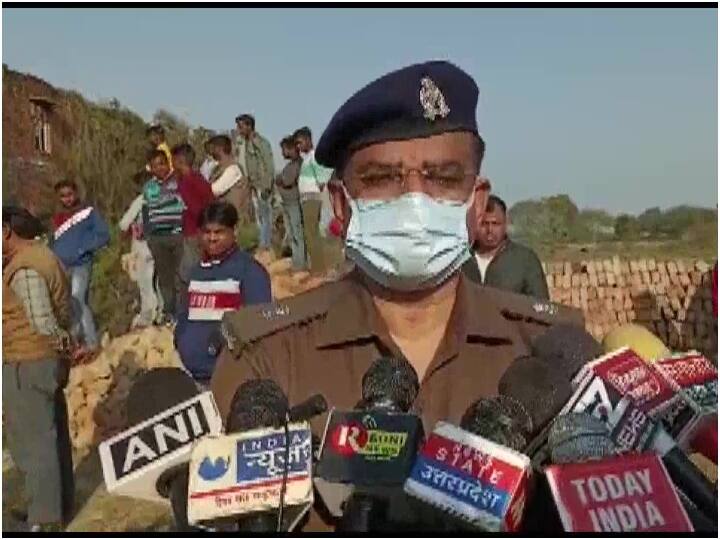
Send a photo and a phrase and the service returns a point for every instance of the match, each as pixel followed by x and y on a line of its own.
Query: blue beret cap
pixel 413 102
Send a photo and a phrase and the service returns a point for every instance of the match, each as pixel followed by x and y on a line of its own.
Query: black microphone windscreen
pixel 314 405
pixel 158 390
pixel 519 414
pixel 390 383
pixel 579 437
pixel 257 403
pixel 488 418
pixel 567 346
pixel 542 391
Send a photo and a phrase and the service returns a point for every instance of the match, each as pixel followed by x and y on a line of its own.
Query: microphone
pixel 642 341
pixel 696 379
pixel 260 473
pixel 168 414
pixel 471 478
pixel 692 377
pixel 542 392
pixel 619 388
pixel 579 438
pixel 366 454
pixel 595 490
pixel 566 347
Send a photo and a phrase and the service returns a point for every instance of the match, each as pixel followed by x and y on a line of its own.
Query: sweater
pixel 196 195
pixel 216 287
pixel 21 341
pixel 514 268
pixel 163 207
pixel 78 235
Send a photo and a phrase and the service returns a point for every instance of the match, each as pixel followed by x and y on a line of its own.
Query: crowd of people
pixel 187 264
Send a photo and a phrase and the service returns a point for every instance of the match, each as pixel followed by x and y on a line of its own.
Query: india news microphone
pixel 475 474
pixel 166 413
pixel 259 475
pixel 367 453
pixel 621 389
pixel 598 489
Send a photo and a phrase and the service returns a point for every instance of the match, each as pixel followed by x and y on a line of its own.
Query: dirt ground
pixel 96 510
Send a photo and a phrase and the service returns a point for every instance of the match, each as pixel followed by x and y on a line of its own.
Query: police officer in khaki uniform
pixel 407 153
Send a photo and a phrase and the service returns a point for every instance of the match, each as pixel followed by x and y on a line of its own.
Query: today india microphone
pixel 579 438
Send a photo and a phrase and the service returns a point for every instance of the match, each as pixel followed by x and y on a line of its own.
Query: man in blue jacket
pixel 78 232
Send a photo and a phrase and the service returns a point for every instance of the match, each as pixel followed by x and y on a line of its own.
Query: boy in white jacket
pixel 141 266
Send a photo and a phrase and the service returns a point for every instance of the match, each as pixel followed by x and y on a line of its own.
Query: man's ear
pixel 339 202
pixel 481 192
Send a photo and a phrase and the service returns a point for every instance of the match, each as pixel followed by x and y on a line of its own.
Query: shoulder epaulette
pixel 521 307
pixel 252 323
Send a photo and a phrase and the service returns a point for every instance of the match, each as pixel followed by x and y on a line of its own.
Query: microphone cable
pixel 283 485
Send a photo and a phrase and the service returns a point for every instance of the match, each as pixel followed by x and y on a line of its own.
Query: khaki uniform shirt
pixel 324 340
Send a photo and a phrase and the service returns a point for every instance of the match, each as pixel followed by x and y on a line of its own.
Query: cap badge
pixel 432 100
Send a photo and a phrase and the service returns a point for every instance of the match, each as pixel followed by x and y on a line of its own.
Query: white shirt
pixel 230 176
pixel 312 174
pixel 131 213
pixel 483 261
pixel 207 167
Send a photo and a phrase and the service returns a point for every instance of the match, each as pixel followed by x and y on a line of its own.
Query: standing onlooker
pixel 78 232
pixel 163 209
pixel 35 346
pixel 287 183
pixel 260 171
pixel 156 135
pixel 209 164
pixel 226 279
pixel 227 180
pixel 143 267
pixel 499 262
pixel 312 181
pixel 196 194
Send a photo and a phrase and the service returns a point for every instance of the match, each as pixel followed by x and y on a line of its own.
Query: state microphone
pixel 475 474
pixel 167 414
pixel 259 474
pixel 620 389
pixel 366 454
pixel 598 490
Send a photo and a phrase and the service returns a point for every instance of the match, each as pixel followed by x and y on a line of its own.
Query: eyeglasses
pixel 441 182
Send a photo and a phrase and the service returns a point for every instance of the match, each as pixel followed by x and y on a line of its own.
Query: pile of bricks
pixel 671 298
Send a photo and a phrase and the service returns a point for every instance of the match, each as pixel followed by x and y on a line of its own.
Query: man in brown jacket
pixel 407 155
pixel 35 319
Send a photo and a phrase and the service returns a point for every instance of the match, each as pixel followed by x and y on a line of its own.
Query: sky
pixel 615 107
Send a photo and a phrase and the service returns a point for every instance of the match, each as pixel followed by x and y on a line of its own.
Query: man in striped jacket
pixel 162 225
pixel 226 279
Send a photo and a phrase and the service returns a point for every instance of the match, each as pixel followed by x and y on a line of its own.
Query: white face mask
pixel 410 243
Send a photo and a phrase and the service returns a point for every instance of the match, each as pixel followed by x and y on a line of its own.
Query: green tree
pixel 626 227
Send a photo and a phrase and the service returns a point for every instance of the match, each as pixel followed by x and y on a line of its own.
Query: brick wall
pixel 672 298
